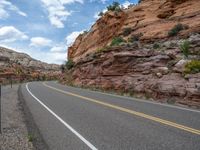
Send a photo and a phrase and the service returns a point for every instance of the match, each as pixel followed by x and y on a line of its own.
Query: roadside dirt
pixel 19 131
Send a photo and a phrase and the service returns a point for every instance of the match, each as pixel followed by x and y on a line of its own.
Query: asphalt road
pixel 77 119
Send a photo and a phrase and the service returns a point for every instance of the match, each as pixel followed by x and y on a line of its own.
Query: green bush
pixel 192 67
pixel 103 49
pixel 176 29
pixel 101 14
pixel 135 37
pixel 114 7
pixel 184 47
pixel 62 68
pixel 69 64
pixel 30 137
pixel 116 41
pixel 127 31
pixel 156 46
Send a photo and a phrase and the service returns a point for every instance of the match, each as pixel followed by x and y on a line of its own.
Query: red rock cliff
pixel 152 18
pixel 153 66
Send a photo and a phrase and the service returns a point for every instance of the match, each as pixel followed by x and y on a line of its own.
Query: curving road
pixel 78 119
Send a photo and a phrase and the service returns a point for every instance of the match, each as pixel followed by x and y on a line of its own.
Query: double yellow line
pixel 139 114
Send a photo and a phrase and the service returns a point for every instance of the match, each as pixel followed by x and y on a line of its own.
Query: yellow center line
pixel 156 119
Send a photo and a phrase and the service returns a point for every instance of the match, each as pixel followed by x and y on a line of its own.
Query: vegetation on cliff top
pixel 115 6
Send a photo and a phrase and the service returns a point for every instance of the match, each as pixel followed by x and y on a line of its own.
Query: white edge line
pixel 142 101
pixel 62 121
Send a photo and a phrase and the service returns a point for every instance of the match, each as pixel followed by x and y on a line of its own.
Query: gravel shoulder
pixel 19 131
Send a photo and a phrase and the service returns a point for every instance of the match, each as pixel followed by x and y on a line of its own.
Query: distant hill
pixel 20 67
pixel 8 55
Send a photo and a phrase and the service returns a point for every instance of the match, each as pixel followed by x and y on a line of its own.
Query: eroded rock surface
pixel 151 18
pixel 153 73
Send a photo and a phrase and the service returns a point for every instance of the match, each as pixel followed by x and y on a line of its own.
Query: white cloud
pixel 102 1
pixel 57 11
pixel 11 34
pixel 96 15
pixel 40 42
pixel 6 6
pixel 58 49
pixel 126 4
pixel 48 57
pixel 72 37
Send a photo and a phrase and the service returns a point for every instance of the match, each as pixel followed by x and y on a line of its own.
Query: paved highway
pixel 77 119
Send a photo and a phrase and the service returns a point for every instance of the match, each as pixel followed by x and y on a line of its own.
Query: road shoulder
pixel 38 141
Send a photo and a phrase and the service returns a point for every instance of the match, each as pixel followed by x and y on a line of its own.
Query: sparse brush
pixel 192 67
pixel 116 41
pixel 184 47
pixel 30 138
pixel 114 7
pixel 156 46
pixel 127 31
pixel 69 64
pixel 176 29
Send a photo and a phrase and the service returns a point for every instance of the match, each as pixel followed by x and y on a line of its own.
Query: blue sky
pixel 45 28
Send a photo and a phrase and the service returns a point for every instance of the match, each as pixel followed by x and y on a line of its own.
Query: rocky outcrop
pixel 149 63
pixel 144 72
pixel 151 18
pixel 20 67
pixel 8 55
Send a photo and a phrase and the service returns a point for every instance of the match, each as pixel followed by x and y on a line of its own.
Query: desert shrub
pixel 176 29
pixel 184 47
pixel 156 46
pixel 31 137
pixel 101 14
pixel 139 1
pixel 116 41
pixel 192 67
pixel 103 49
pixel 69 64
pixel 62 68
pixel 127 31
pixel 115 6
pixel 135 37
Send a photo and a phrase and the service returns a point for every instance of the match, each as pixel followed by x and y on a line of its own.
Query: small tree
pixel 101 14
pixel 62 68
pixel 176 29
pixel 184 47
pixel 114 7
pixel 69 64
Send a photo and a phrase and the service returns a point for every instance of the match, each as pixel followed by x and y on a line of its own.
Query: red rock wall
pixel 152 18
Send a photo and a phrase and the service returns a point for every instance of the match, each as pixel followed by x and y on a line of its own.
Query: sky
pixel 44 29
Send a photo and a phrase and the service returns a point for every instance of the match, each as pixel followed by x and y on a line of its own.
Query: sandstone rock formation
pixel 24 59
pixel 149 73
pixel 152 18
pixel 153 66
pixel 21 67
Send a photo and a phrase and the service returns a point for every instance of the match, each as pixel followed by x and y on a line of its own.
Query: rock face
pixel 153 65
pixel 25 60
pixel 158 74
pixel 21 67
pixel 151 18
